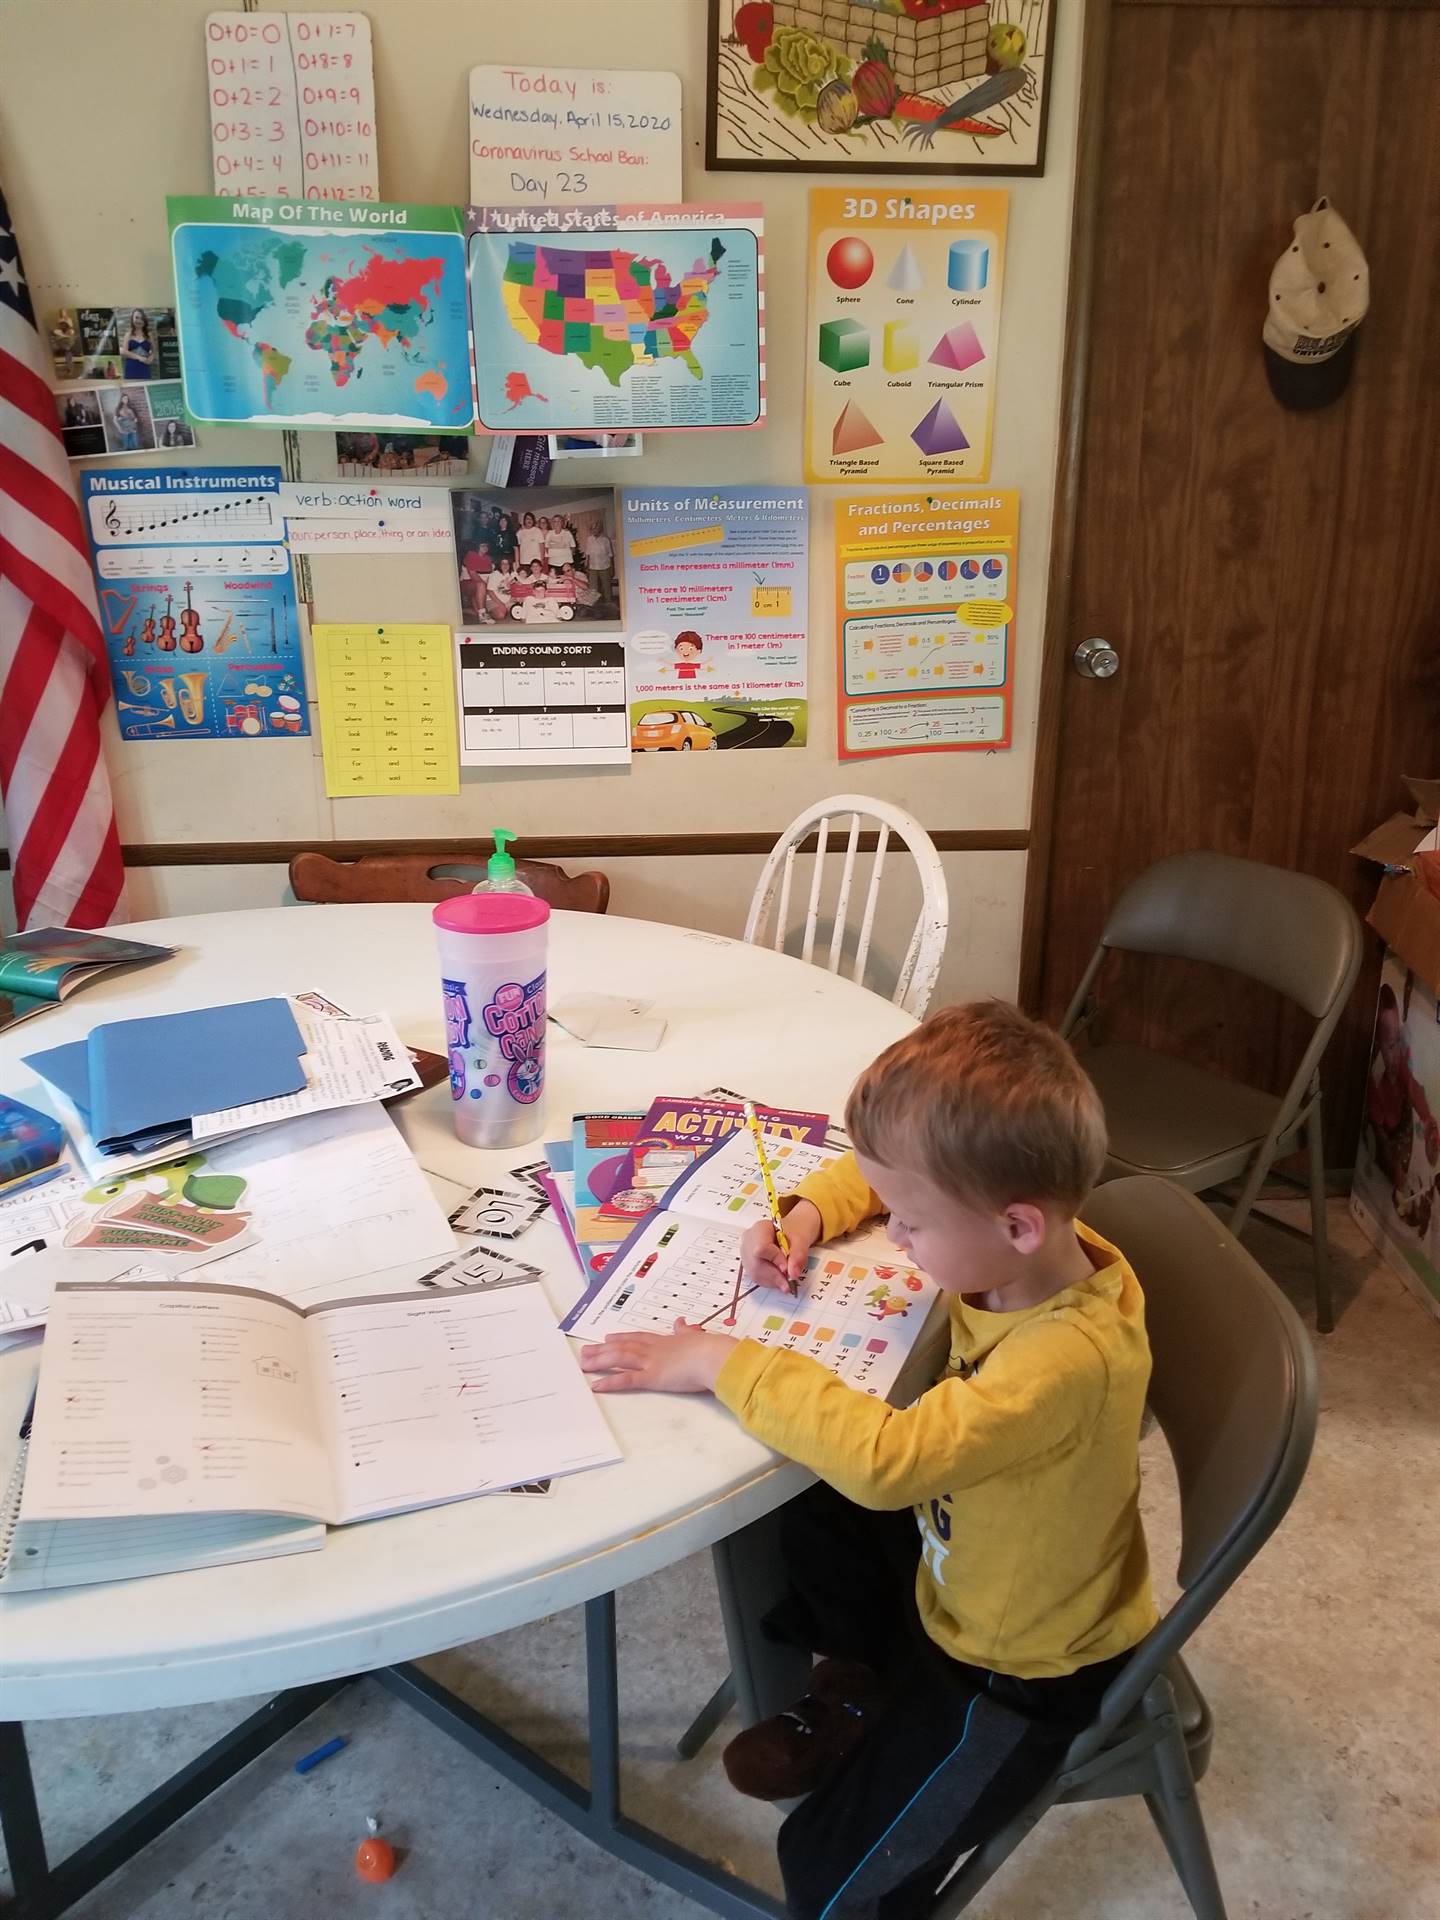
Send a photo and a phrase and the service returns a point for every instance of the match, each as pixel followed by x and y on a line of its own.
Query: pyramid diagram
pixel 939 432
pixel 905 275
pixel 958 349
pixel 852 431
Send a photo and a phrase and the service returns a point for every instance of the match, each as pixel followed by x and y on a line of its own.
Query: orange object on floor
pixel 375 1859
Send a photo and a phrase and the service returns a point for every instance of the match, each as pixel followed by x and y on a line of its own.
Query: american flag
pixel 54 680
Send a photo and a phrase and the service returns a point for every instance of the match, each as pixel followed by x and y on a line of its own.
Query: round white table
pixel 390 1590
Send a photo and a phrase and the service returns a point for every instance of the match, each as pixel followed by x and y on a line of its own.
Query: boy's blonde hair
pixel 989 1104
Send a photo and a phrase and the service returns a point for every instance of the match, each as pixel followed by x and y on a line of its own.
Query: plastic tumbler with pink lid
pixel 492 972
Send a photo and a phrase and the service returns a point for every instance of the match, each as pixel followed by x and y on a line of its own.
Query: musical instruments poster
pixel 197 603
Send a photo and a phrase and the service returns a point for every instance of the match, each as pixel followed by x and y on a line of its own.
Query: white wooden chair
pixel 769 920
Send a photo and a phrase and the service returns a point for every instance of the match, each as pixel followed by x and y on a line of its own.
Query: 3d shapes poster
pixel 904 327
pixel 715 596
pixel 311 313
pixel 625 317
pixel 196 602
pixel 925 600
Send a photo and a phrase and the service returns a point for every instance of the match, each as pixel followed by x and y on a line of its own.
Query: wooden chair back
pixel 316 878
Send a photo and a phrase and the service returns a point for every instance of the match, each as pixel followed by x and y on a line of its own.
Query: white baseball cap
pixel 1319 294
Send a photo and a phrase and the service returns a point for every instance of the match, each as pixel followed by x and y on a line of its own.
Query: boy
pixel 967 1640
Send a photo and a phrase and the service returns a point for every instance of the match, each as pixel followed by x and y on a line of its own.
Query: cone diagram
pixel 905 276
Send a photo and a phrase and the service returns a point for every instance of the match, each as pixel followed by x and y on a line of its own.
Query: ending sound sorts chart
pixel 196 602
pixel 925 598
pixel 308 314
pixel 904 329
pixel 630 317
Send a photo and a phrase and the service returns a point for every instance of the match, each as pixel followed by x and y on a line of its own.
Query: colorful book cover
pixel 672 1137
pixel 600 1147
pixel 41 968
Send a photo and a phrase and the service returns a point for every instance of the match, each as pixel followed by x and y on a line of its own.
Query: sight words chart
pixel 904 328
pixel 292 105
pixel 573 135
pixel 925 616
pixel 387 708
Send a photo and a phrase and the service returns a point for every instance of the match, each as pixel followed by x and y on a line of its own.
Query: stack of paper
pixel 136 1092
pixel 308 1210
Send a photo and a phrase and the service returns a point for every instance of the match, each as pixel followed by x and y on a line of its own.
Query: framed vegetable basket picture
pixel 879 86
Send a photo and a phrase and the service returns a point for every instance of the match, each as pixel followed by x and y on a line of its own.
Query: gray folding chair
pixel 1287 930
pixel 1233 1390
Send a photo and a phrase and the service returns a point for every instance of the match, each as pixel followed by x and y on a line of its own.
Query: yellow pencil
pixel 752 1120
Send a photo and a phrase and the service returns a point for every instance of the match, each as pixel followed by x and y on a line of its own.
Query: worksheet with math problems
pixel 166 1400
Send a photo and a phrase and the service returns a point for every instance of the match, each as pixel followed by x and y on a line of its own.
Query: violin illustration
pixel 191 638
pixel 166 640
pixel 147 630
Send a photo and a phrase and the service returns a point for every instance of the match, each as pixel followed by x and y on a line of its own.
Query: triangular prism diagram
pixel 852 431
pixel 939 432
pixel 905 275
pixel 958 349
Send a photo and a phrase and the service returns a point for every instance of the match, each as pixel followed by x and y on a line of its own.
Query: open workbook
pixel 860 1309
pixel 182 1425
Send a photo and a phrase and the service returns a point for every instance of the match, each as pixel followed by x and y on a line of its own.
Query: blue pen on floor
pixel 321 1753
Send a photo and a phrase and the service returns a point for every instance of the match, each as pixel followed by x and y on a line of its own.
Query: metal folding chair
pixel 1287 930
pixel 1234 1392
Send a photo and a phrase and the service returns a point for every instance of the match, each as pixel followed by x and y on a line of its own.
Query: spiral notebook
pixel 37 1554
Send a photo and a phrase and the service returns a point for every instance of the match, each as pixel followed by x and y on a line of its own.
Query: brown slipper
pixel 791 1753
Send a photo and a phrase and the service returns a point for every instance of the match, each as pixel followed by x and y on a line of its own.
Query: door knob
pixel 1096 660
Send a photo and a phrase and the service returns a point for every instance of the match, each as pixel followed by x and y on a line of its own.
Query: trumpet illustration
pixel 192 698
pixel 126 706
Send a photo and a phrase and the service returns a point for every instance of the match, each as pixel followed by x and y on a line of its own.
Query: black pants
pixel 929 1781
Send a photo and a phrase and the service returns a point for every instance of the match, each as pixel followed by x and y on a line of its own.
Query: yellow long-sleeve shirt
pixel 1021 1461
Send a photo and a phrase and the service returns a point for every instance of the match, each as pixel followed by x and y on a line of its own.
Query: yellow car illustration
pixel 680 730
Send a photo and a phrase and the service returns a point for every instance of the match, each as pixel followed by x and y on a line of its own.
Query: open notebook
pixel 55 1553
pixel 179 1425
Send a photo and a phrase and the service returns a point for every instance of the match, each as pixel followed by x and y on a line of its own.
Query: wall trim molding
pixel 539 846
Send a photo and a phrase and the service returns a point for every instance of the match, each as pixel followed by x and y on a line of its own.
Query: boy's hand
pixel 685 1361
pixel 765 1265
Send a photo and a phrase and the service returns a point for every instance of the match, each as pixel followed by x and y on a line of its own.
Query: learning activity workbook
pixel 675 1133
pixel 857 1315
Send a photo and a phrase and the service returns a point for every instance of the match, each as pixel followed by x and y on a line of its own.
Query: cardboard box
pixel 1406 911
pixel 1395 1198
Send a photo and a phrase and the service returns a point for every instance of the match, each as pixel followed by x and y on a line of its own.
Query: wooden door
pixel 1271 580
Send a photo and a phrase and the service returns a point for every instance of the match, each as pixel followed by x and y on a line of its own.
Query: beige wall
pixel 103 113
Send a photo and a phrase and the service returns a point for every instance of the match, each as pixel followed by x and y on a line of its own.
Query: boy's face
pixel 962 1250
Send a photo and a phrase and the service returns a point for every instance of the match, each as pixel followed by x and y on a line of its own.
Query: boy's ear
pixel 1026 1226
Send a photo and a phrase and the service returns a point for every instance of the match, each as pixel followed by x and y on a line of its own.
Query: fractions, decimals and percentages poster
pixel 573 136
pixel 295 314
pixel 925 603
pixel 715 597
pixel 903 333
pixel 292 105
pixel 630 317
pixel 196 602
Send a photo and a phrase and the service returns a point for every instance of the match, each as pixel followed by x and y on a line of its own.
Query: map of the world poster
pixel 624 317
pixel 328 315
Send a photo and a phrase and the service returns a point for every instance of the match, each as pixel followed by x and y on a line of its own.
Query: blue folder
pixel 136 1078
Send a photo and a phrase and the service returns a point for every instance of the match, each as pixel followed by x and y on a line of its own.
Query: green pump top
pixel 501 876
